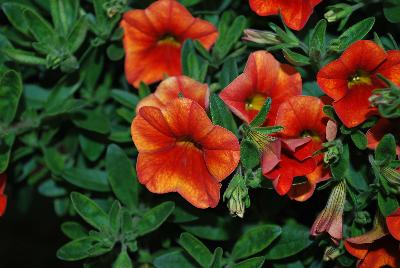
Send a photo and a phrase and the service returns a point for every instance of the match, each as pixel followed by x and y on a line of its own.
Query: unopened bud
pixel 237 196
pixel 114 7
pixel 261 37
pixel 331 253
pixel 338 12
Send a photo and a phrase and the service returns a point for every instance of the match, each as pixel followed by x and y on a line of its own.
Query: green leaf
pixel 220 114
pixel 122 176
pixel 341 168
pixel 77 35
pixel 10 94
pixel 13 12
pixel 228 73
pixel 89 211
pixel 173 259
pixel 294 238
pixel 391 10
pixel 144 90
pixel 359 139
pixel 81 248
pixel 192 65
pixel 40 29
pixel 268 130
pixel 64 13
pixel 22 56
pixel 216 261
pixel 153 218
pixel 256 262
pixel 262 114
pixel 73 230
pixel 90 179
pixel 210 232
pixel 255 240
pixel 249 154
pixel 317 40
pixel 295 58
pixel 386 150
pixel 387 204
pixel 50 189
pixel 196 249
pixel 354 33
pixel 94 121
pixel 125 98
pixel 6 144
pixel 54 160
pixel 115 53
pixel 91 148
pixel 123 260
pixel 189 3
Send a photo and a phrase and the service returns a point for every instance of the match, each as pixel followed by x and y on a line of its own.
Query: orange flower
pixel 154 36
pixel 382 127
pixel 180 150
pixel 263 77
pixel 304 127
pixel 376 249
pixel 295 13
pixel 3 197
pixel 351 79
pixel 170 88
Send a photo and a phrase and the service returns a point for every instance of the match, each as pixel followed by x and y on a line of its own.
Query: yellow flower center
pixel 359 78
pixel 169 40
pixel 255 102
pixel 312 134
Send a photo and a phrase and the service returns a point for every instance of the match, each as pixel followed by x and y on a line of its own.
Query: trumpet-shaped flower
pixel 304 127
pixel 295 13
pixel 153 39
pixel 180 150
pixel 382 127
pixel 170 88
pixel 262 77
pixel 351 79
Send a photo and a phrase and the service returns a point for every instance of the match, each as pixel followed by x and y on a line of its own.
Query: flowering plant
pixel 200 133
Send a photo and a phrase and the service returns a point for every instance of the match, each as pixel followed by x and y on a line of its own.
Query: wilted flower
pixel 330 220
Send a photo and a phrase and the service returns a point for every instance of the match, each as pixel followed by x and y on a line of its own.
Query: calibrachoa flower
pixel 180 150
pixel 382 127
pixel 170 88
pixel 262 77
pixel 330 220
pixel 153 39
pixel 304 127
pixel 376 249
pixel 3 197
pixel 295 13
pixel 351 79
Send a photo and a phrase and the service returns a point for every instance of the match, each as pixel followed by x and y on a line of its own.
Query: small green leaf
pixel 216 261
pixel 77 35
pixel 73 230
pixel 391 10
pixel 210 232
pixel 122 176
pixel 94 121
pixel 196 249
pixel 90 179
pixel 10 94
pixel 125 98
pixel 153 218
pixel 89 211
pixel 123 260
pixel 317 40
pixel 54 160
pixel 115 53
pixel 262 114
pixel 40 28
pixel 144 90
pixel 256 262
pixel 221 115
pixel 173 259
pixel 387 204
pixel 341 168
pixel 6 144
pixel 386 150
pixel 249 154
pixel 63 13
pixel 91 148
pixel 294 238
pixel 22 56
pixel 81 248
pixel 295 58
pixel 359 139
pixel 228 73
pixel 50 189
pixel 255 240
pixel 354 33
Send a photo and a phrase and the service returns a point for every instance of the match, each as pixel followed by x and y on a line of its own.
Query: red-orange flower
pixel 295 13
pixel 351 79
pixel 3 197
pixel 382 127
pixel 376 249
pixel 170 88
pixel 180 150
pixel 304 127
pixel 263 77
pixel 153 39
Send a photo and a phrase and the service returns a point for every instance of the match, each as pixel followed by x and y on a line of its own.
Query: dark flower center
pixel 361 77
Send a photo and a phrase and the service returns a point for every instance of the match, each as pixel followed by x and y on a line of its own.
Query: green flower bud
pixel 237 196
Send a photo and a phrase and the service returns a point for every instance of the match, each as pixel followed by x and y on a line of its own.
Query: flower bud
pixel 331 253
pixel 338 12
pixel 237 196
pixel 114 7
pixel 261 37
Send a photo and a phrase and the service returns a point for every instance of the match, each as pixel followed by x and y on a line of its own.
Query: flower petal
pixel 355 108
pixel 295 13
pixel 265 7
pixel 221 152
pixel 179 169
pixel 393 224
pixel 384 253
pixel 390 68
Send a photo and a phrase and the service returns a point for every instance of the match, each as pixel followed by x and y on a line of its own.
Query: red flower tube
pixel 350 80
pixel 180 150
pixel 295 13
pixel 153 39
pixel 262 77
pixel 3 197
